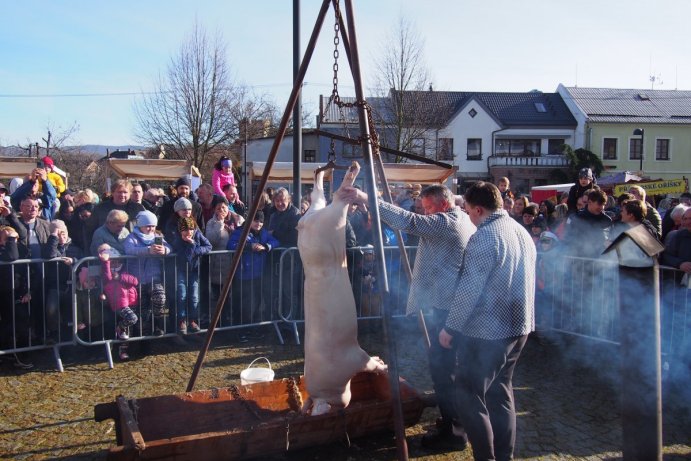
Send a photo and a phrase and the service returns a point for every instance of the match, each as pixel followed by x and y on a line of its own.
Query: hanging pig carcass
pixel 332 353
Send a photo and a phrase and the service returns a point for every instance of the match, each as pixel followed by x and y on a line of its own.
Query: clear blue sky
pixel 62 61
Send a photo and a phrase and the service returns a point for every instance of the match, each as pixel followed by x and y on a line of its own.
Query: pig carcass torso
pixel 332 352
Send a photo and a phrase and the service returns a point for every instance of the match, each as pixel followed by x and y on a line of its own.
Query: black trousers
pixel 442 365
pixel 484 394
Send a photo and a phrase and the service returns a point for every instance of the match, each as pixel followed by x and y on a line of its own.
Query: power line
pixel 130 93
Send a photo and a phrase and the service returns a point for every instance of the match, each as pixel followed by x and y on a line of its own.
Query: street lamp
pixel 640 132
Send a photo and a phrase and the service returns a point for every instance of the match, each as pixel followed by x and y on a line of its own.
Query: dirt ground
pixel 565 411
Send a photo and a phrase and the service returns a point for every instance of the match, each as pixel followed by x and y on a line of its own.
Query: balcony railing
pixel 548 161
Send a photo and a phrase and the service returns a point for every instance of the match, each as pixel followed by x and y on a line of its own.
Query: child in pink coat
pixel 222 175
pixel 120 289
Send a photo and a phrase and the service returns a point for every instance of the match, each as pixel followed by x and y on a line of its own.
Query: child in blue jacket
pixel 189 244
pixel 247 285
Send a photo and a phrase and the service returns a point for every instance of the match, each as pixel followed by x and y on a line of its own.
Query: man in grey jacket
pixel 444 231
pixel 489 321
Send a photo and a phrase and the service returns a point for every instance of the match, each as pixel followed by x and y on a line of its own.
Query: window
pixel 472 113
pixel 540 107
pixel 662 149
pixel 609 149
pixel 555 146
pixel 635 149
pixel 417 146
pixel 474 149
pixel 310 156
pixel 445 149
pixel 351 151
pixel 517 147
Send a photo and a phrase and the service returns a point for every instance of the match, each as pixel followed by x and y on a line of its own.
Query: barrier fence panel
pixel 288 297
pixel 35 306
pixel 50 303
pixel 675 316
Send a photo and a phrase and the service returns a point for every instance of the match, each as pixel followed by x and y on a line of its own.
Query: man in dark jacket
pixel 586 232
pixel 586 181
pixel 184 189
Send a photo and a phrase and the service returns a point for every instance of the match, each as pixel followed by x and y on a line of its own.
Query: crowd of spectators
pixel 41 219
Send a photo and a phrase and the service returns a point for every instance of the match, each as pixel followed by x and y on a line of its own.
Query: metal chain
pixel 336 98
pixel 337 40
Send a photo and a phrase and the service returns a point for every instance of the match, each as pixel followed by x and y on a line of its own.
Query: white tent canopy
pixel 395 172
pixel 20 167
pixel 153 169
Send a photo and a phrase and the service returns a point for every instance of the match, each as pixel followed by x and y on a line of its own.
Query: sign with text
pixel 667 186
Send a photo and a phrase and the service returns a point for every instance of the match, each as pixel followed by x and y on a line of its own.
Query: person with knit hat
pixel 585 183
pixel 53 177
pixel 149 245
pixel 183 189
pixel 182 208
pixel 190 245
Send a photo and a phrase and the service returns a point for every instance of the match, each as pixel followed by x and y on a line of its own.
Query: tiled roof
pixel 633 106
pixel 437 108
pixel 510 109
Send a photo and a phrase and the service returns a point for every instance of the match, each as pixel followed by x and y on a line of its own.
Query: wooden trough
pixel 242 422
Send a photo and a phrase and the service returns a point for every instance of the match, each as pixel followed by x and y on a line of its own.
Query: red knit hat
pixel 48 161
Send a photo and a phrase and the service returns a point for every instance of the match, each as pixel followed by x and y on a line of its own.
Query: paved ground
pixel 567 411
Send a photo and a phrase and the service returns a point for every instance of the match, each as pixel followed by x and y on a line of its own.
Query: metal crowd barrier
pixel 579 297
pixel 288 297
pixel 95 321
pixel 34 306
pixel 582 297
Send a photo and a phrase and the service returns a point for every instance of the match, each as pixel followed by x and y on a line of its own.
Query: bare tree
pixel 194 105
pixel 403 83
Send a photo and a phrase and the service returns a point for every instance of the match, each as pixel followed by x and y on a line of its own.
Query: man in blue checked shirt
pixel 489 321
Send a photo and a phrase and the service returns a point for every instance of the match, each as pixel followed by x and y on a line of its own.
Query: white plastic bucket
pixel 256 375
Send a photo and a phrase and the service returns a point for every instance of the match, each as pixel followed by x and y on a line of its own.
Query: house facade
pixel 643 131
pixel 484 135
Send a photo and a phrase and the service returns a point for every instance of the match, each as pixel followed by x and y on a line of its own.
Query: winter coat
pixel 189 254
pixel 120 293
pixel 103 235
pixel 575 192
pixel 147 268
pixel 284 226
pixel 218 237
pixel 252 262
pixel 220 178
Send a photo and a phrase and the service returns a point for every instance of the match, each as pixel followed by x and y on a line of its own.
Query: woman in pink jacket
pixel 222 175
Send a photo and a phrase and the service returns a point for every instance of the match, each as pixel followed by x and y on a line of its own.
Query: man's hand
pixel 445 339
pixel 352 194
pixel 686 266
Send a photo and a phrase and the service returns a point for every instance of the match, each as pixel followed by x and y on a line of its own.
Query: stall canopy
pixel 20 167
pixel 16 167
pixel 395 172
pixel 153 169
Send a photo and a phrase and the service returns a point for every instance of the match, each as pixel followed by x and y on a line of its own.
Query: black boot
pixel 443 438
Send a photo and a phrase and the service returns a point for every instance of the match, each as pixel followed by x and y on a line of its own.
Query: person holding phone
pixel 149 245
pixel 37 185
